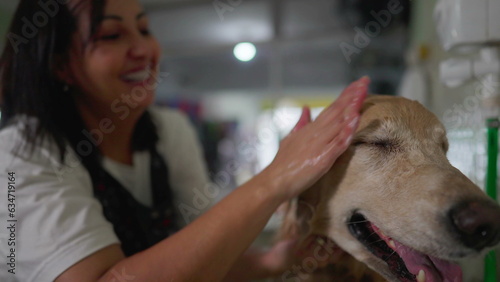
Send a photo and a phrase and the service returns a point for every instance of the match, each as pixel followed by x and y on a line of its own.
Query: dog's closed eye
pixel 382 144
pixel 385 144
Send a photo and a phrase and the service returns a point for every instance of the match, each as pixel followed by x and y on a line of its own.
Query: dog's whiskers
pixel 373 233
pixel 393 252
pixel 375 242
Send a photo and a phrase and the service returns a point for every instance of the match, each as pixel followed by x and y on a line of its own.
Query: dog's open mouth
pixel 404 262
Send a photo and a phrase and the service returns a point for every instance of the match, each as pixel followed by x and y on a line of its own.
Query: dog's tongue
pixel 436 270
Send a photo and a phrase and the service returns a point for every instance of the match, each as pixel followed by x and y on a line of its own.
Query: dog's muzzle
pixel 405 263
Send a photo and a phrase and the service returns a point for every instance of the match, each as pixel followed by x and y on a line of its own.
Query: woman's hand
pixel 290 256
pixel 312 147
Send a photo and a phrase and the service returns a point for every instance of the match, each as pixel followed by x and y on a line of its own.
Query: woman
pixel 76 89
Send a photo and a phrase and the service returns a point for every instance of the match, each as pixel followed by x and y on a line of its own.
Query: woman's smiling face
pixel 120 61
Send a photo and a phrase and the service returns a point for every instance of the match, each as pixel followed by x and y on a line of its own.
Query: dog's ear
pixel 297 215
pixel 300 223
pixel 307 205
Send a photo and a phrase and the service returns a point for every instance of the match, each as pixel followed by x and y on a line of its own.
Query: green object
pixel 490 271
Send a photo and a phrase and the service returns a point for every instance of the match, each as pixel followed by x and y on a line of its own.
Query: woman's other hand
pixel 288 258
pixel 310 150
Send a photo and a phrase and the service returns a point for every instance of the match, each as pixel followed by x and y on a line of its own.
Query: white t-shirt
pixel 57 220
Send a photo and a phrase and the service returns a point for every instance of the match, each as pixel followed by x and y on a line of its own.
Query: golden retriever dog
pixel 393 203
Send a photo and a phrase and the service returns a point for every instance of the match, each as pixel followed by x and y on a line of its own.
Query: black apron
pixel 137 226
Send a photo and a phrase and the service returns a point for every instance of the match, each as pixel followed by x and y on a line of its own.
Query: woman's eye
pixel 110 37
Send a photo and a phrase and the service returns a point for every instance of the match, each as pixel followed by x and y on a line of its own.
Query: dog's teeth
pixel 382 233
pixel 392 244
pixel 421 276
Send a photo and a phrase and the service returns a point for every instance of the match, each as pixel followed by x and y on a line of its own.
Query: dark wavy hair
pixel 37 43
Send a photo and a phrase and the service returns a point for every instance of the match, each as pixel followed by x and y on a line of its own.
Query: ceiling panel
pixel 201 25
pixel 301 17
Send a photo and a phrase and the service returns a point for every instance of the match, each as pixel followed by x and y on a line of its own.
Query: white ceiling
pixel 184 28
pixel 297 41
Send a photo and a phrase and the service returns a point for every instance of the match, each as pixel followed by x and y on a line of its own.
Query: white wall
pixel 457 108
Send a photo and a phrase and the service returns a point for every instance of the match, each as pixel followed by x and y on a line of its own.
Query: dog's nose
pixel 477 223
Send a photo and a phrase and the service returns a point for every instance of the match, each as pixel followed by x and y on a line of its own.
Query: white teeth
pixel 421 276
pixel 392 244
pixel 138 76
pixel 382 233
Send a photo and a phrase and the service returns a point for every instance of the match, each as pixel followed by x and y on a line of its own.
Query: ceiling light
pixel 245 51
